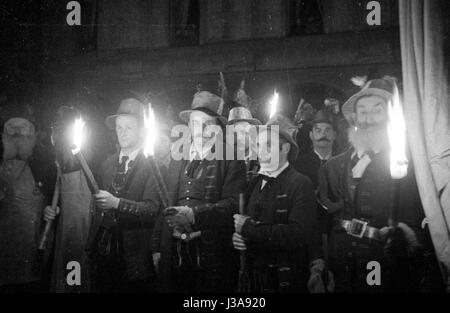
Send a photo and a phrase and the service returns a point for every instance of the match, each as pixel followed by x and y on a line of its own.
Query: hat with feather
pixel 382 87
pixel 205 102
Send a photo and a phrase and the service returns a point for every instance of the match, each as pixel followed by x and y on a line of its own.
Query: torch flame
pixel 273 104
pixel 77 135
pixel 397 137
pixel 150 125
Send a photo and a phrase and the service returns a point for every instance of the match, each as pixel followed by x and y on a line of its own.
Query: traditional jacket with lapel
pixel 138 209
pixel 213 217
pixel 282 232
pixel 372 197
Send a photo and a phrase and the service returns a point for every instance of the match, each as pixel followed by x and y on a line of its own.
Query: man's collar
pixel 131 156
pixel 193 152
pixel 320 157
pixel 276 173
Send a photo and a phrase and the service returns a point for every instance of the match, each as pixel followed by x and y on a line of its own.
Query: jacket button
pixel 189 182
pixel 187 198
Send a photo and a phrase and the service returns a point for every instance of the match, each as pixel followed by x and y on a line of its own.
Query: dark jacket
pixel 371 199
pixel 308 164
pixel 282 231
pixel 138 209
pixel 213 217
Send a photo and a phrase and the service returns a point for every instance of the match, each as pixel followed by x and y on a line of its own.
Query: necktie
pixel 355 160
pixel 119 178
pixel 192 166
pixel 266 178
pixel 266 181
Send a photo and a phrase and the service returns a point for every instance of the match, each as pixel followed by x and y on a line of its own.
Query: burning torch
pixel 76 151
pixel 152 133
pixel 273 104
pixel 397 140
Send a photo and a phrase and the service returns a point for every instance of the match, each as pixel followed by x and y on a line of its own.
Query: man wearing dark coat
pixel 192 241
pixel 127 206
pixel 279 228
pixel 357 190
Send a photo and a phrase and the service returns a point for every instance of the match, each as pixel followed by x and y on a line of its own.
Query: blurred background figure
pixel 333 108
pixel 76 204
pixel 245 138
pixel 163 144
pixel 27 178
pixel 303 116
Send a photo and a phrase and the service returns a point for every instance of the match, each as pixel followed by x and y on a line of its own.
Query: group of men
pixel 276 219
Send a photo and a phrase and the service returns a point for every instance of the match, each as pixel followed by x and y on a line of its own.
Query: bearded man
pixel 356 189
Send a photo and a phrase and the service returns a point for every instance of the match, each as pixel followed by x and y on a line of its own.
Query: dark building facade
pixel 303 48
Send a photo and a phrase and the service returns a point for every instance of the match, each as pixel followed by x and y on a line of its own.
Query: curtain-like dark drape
pixel 427 110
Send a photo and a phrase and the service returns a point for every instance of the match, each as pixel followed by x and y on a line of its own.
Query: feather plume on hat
pixel 359 81
pixel 241 98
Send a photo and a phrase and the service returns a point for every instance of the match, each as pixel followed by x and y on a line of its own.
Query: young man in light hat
pixel 127 206
pixel 356 189
pixel 279 229
pixel 194 242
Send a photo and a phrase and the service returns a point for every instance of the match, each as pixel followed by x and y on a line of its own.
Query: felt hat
pixel 382 87
pixel 128 107
pixel 241 114
pixel 205 102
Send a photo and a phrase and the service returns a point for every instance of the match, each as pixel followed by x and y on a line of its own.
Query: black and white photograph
pixel 225 152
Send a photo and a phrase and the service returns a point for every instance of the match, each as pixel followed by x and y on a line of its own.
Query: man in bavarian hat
pixel 356 190
pixel 192 243
pixel 126 208
pixel 278 229
pixel 242 124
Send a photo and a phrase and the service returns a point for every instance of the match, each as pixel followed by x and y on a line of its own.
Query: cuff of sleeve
pixel 126 207
pixel 247 228
pixel 197 216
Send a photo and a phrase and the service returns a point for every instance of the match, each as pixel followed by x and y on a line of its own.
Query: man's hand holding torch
pixel 106 200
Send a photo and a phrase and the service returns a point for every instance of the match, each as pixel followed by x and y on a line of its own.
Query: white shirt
pixel 131 157
pixel 273 174
pixel 364 161
pixel 193 152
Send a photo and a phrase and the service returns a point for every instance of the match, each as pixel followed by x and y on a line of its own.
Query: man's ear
pixel 311 135
pixel 286 147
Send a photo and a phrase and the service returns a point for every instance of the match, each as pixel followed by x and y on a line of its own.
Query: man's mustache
pixel 324 139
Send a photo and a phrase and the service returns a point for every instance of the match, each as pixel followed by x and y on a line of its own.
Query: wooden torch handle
pixel 48 224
